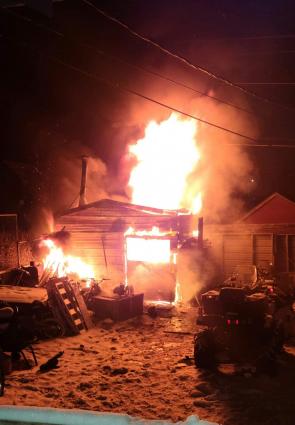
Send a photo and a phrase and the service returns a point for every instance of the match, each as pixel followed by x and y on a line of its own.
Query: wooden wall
pixel 97 235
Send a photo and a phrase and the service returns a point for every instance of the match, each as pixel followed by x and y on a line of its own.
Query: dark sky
pixel 49 111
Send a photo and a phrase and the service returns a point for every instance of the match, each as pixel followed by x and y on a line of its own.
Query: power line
pixel 266 52
pixel 141 68
pixel 261 145
pixel 246 37
pixel 158 75
pixel 263 83
pixel 164 105
pixel 182 58
pixel 117 86
pixel 121 88
pixel 133 92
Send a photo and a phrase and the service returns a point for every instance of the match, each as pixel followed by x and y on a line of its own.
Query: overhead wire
pixel 141 68
pixel 270 83
pixel 118 86
pixel 241 37
pixel 261 145
pixel 182 58
pixel 121 88
pixel 112 57
pixel 272 52
pixel 130 91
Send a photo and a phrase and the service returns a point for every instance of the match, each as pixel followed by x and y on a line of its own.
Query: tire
pixel 205 350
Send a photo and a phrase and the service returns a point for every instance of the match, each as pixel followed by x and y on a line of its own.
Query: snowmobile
pixel 240 325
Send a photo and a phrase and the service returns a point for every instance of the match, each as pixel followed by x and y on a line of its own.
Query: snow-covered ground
pixel 142 367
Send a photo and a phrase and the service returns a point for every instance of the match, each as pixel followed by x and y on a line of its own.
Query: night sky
pixel 50 112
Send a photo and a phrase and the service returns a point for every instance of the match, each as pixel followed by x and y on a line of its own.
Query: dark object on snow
pixel 19 276
pixel 51 363
pixel 121 290
pixel 14 338
pixel 90 291
pixel 14 335
pixel 33 272
pixel 119 308
pixel 22 276
pixel 205 350
pixel 119 371
pixel 187 360
pixel 241 326
pixel 152 311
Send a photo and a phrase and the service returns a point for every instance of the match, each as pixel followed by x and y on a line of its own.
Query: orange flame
pixel 148 250
pixel 149 246
pixel 166 156
pixel 59 264
pixel 154 232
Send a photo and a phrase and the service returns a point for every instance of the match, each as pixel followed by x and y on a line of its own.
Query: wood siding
pixel 253 244
pixel 262 250
pixel 97 234
pixel 237 250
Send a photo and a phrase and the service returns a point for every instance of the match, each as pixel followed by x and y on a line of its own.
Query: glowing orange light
pixel 166 156
pixel 154 232
pixel 148 250
pixel 197 204
pixel 59 264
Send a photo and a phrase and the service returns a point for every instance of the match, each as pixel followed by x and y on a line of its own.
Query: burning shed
pixel 117 238
pixel 111 237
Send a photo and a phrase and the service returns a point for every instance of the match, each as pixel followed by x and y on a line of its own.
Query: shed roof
pixel 115 205
pixel 276 209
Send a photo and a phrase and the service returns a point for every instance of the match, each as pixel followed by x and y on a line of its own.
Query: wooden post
pixel 82 198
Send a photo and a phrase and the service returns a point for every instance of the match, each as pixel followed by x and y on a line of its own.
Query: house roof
pixel 276 209
pixel 112 204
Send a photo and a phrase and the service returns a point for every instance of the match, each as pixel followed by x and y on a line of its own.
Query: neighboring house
pixel 265 236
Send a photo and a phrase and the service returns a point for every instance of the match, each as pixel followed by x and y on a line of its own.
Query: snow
pixel 143 368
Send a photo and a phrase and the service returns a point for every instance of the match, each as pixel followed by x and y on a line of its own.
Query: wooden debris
pixel 65 304
pixel 83 308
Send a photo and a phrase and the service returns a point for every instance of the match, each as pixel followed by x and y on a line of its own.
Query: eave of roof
pixel 110 203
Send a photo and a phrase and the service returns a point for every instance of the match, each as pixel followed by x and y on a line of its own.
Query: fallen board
pixel 83 308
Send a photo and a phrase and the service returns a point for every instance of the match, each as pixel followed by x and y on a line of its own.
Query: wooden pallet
pixel 71 305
